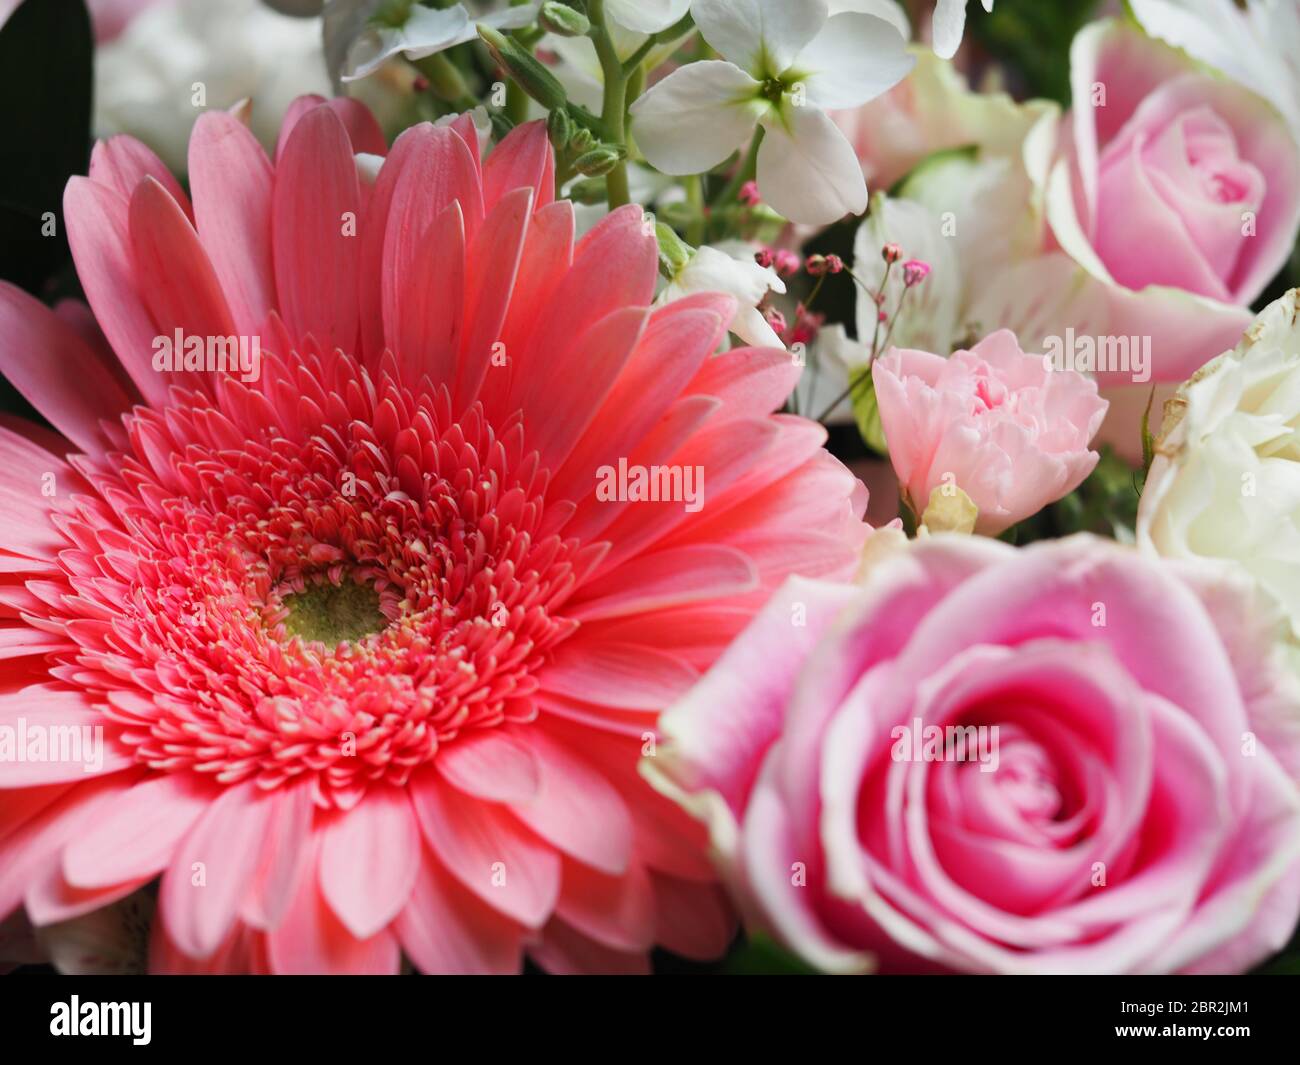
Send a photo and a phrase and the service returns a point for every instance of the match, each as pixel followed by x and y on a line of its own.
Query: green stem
pixel 446 81
pixel 614 103
pixel 745 172
pixel 695 198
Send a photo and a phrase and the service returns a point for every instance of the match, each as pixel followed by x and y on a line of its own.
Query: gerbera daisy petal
pixel 445 929
pixel 56 371
pixel 316 214
pixel 311 940
pixel 122 162
pixel 178 284
pixel 424 328
pixel 293 114
pixel 615 911
pixel 211 870
pixel 96 218
pixel 232 179
pixel 284 854
pixel 492 266
pixel 369 859
pixel 565 951
pixel 489 852
pixel 523 159
pixel 137 832
pixel 491 765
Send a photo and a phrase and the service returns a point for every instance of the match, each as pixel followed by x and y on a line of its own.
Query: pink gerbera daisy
pixel 373 656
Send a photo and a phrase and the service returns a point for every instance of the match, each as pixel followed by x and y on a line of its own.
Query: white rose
pixel 1225 482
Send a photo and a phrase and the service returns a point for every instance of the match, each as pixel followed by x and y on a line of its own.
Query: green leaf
pixel 866 411
pixel 46 50
pixel 1148 441
pixel 759 956
pixel 1033 37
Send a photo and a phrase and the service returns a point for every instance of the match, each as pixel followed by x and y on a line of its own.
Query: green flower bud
pixel 563 21
pixel 674 253
pixel 560 127
pixel 599 161
pixel 588 191
pixel 525 68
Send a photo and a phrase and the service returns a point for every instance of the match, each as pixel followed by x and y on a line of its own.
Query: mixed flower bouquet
pixel 622 485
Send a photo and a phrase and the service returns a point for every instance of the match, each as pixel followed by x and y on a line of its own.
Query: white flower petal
pixel 854 59
pixel 428 30
pixel 809 172
pixel 755 330
pixel 714 270
pixel 931 315
pixel 696 117
pixel 763 36
pixel 711 270
pixel 425 43
pixel 646 16
pixel 889 10
pixel 949 25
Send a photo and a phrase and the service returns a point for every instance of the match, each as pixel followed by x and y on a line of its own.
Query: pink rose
pixel 1176 189
pixel 996 423
pixel 1112 787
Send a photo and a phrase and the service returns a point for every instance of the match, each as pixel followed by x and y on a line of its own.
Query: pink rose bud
pixel 815 265
pixel 764 257
pixel 749 194
pixel 776 320
pixel 915 271
pixel 1002 426
pixel 891 253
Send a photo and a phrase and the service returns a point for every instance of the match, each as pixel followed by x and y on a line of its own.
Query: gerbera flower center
pixel 334 598
pixel 333 614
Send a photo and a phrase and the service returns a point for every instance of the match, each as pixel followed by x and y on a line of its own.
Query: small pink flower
pixel 749 194
pixel 765 258
pixel 1000 425
pixel 914 272
pixel 776 320
pixel 1061 758
pixel 891 253
pixel 786 262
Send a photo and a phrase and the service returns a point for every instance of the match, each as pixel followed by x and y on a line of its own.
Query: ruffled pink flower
pixel 373 660
pixel 1120 797
pixel 997 423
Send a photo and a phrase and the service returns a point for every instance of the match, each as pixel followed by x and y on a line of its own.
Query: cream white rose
pixel 1225 482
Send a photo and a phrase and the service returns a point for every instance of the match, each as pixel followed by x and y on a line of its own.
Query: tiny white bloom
pixel 950 25
pixel 1224 487
pixel 713 270
pixel 785 62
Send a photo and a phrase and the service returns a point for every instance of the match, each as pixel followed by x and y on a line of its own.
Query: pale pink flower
pixel 1177 190
pixel 373 659
pixel 1000 425
pixel 1123 802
